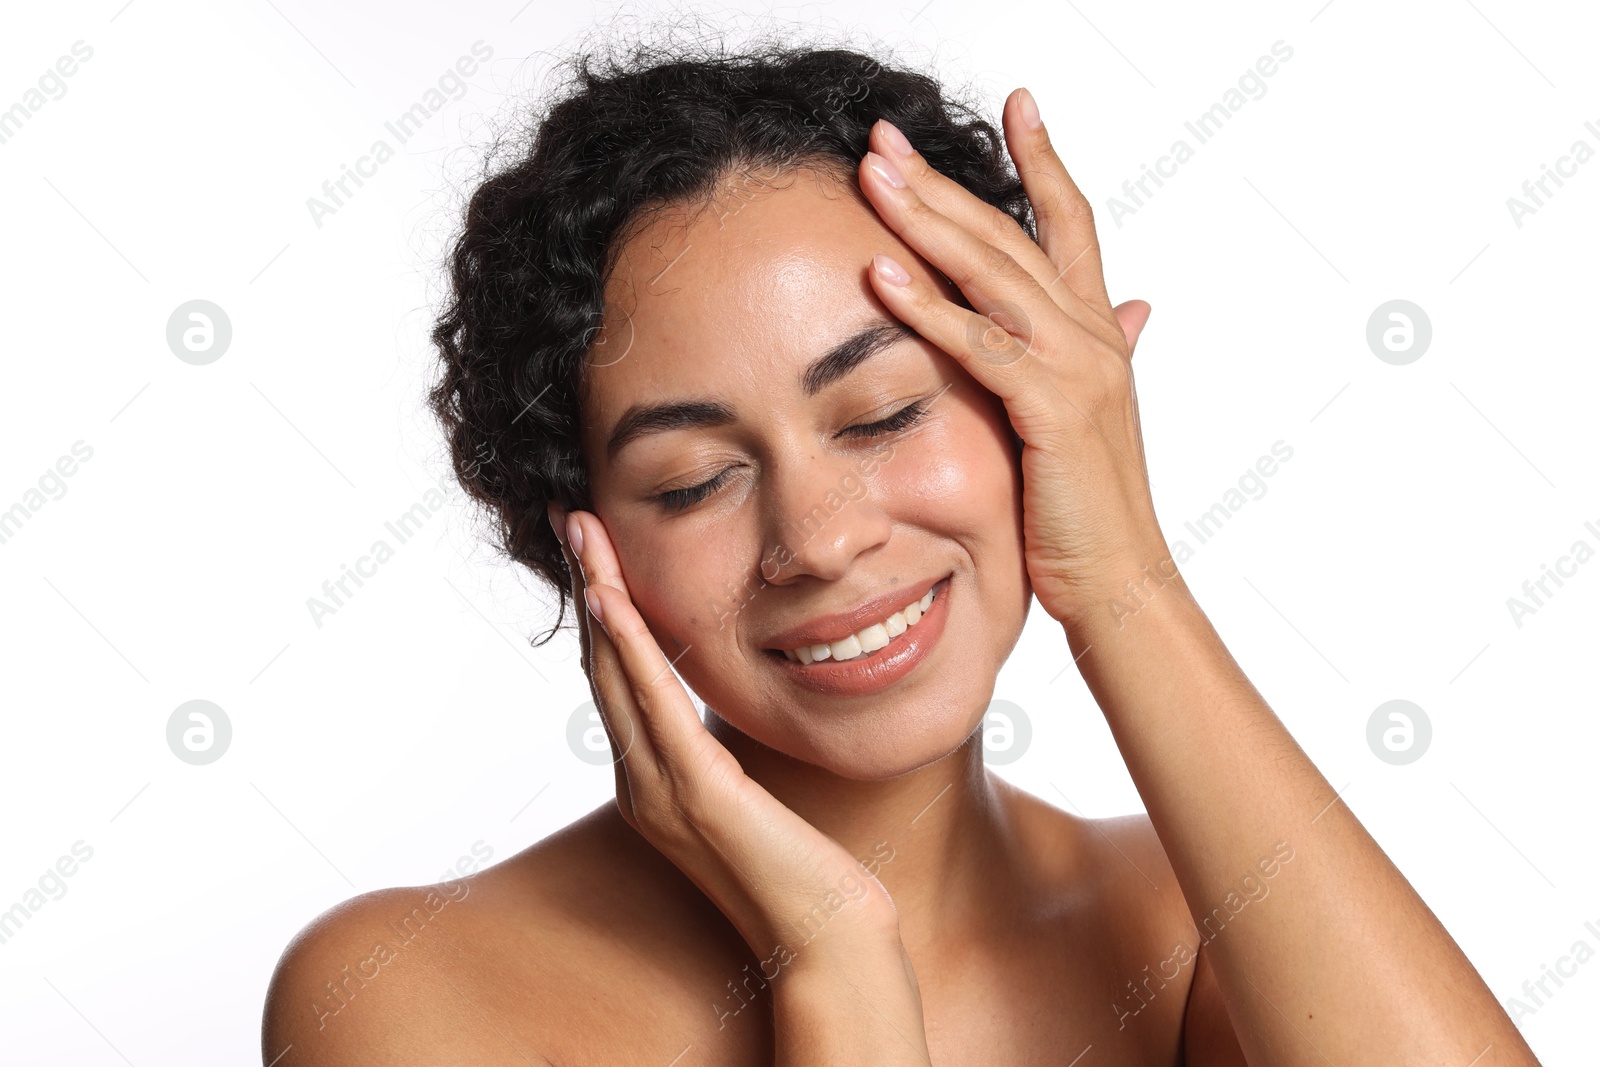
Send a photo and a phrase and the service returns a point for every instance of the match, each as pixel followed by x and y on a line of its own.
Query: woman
pixel 772 363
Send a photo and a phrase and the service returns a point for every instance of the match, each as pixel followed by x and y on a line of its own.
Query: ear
pixel 1133 315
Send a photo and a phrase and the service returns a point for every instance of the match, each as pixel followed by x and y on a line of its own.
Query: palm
pixel 1059 535
pixel 760 863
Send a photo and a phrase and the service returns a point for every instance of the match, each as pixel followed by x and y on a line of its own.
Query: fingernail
pixel 886 170
pixel 889 270
pixel 896 139
pixel 554 513
pixel 575 534
pixel 593 601
pixel 1030 110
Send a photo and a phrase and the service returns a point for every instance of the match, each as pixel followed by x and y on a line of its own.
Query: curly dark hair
pixel 653 127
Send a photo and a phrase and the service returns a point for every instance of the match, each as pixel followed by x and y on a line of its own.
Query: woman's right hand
pixel 778 879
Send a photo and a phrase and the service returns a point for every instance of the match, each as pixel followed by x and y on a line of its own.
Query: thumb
pixel 1132 315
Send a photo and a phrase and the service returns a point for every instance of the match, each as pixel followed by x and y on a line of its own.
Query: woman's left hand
pixel 1042 335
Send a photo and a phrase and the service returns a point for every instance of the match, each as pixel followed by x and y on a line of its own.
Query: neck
pixel 941 839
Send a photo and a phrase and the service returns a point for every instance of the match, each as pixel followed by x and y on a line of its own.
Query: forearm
pixel 1328 955
pixel 852 1002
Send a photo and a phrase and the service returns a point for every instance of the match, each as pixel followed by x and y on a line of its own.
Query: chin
pixel 896 748
pixel 886 738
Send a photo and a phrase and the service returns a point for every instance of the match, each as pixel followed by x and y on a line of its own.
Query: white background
pixel 380 747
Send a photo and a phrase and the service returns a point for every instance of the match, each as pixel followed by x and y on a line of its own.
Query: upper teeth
pixel 871 639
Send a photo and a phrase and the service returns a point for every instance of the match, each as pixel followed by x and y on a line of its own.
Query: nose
pixel 821 515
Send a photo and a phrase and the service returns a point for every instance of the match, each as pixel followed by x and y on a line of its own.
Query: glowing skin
pixel 807 522
pixel 1006 930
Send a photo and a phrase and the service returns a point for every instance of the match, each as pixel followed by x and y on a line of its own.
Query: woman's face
pixel 724 314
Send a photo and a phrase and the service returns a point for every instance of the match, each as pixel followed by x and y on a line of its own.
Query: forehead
pixel 754 283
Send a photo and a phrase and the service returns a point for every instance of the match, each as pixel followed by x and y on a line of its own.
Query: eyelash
pixel 679 499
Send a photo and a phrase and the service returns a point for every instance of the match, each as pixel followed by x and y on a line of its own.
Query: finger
pixel 1132 315
pixel 1063 216
pixel 558 525
pixel 984 346
pixel 687 768
pixel 956 201
pixel 660 704
pixel 988 276
pixel 601 667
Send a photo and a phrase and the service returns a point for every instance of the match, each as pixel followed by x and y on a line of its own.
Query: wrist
pixel 1155 656
pixel 862 935
pixel 857 1007
pixel 1123 591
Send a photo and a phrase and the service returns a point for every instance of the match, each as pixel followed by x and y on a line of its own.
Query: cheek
pixel 963 478
pixel 685 583
pixel 676 584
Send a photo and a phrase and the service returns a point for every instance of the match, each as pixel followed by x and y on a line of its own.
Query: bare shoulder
pixel 1155 900
pixel 1208 1036
pixel 1120 858
pixel 389 976
pixel 1131 933
pixel 504 964
pixel 1133 838
pixel 362 983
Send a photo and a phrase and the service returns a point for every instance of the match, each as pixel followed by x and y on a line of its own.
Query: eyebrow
pixel 641 420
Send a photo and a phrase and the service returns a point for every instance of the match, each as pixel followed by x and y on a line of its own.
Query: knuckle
pixel 658 822
pixel 998 226
pixel 1076 206
pixel 963 274
pixel 996 260
pixel 1047 150
pixel 920 215
pixel 1109 380
pixel 650 693
pixel 920 296
pixel 720 772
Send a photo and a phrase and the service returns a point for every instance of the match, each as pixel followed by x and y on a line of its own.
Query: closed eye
pixel 906 417
pixel 900 420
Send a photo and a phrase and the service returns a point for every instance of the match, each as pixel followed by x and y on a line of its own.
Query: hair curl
pixel 658 126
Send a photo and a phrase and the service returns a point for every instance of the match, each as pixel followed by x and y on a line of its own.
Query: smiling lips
pixel 864 641
pixel 865 651
pixel 865 628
